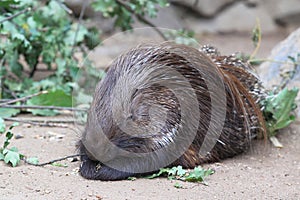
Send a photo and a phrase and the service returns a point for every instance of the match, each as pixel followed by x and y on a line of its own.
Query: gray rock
pixel 206 8
pixel 283 12
pixel 237 17
pixel 279 62
pixel 76 6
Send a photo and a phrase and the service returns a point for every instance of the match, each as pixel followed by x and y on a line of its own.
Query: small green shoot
pixel 256 38
pixel 59 165
pixel 9 155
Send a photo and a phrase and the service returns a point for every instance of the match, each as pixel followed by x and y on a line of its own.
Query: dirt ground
pixel 264 172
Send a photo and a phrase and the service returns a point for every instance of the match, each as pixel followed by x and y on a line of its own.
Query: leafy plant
pixel 278 108
pixel 41 32
pixel 198 174
pixel 9 155
pixel 123 11
pixel 182 36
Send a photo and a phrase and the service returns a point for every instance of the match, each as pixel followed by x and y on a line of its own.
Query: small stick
pixel 15 15
pixel 63 6
pixel 43 107
pixel 40 122
pixel 83 8
pixel 142 19
pixel 23 98
pixel 52 161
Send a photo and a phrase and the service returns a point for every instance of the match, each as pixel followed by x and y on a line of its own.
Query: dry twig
pixel 52 161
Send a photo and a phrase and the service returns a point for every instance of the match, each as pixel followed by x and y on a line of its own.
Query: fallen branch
pixel 63 6
pixel 43 107
pixel 15 15
pixel 22 98
pixel 52 161
pixel 48 123
pixel 83 8
pixel 142 19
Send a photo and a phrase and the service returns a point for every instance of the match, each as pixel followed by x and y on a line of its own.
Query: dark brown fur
pixel 243 117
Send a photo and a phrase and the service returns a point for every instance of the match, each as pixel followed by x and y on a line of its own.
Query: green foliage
pixel 44 34
pixel 178 185
pixel 7 3
pixel 256 35
pixel 123 11
pixel 178 173
pixel 278 108
pixel 32 160
pixel 131 178
pixel 59 165
pixel 9 155
pixel 182 36
pixel 52 98
pixel 8 112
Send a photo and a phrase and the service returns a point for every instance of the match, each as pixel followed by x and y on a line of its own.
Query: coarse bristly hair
pixel 143 115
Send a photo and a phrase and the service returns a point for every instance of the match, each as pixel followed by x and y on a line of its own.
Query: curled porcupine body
pixel 167 104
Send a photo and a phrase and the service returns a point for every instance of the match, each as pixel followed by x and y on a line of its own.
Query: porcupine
pixel 144 117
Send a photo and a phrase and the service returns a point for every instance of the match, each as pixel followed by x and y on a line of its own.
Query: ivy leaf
pixel 12 156
pixel 278 108
pixel 8 112
pixel 33 160
pixel 198 175
pixel 161 172
pixel 52 98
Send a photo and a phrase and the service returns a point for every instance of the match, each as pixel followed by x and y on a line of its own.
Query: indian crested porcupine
pixel 166 104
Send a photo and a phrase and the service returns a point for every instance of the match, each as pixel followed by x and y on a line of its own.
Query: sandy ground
pixel 264 172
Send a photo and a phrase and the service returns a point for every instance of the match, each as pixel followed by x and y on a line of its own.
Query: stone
pixel 283 12
pixel 279 62
pixel 238 17
pixel 207 8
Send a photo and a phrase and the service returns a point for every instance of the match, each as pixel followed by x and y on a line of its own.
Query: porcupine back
pixel 146 103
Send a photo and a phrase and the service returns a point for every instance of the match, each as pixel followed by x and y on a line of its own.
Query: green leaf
pixel 8 136
pixel 278 108
pixel 13 125
pixel 33 160
pixel 8 3
pixel 1 155
pixel 8 112
pixel 59 165
pixel 53 98
pixel 161 172
pixel 2 126
pixel 198 175
pixel 13 86
pixel 12 156
pixel 14 64
pixel 131 178
pixel 178 185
